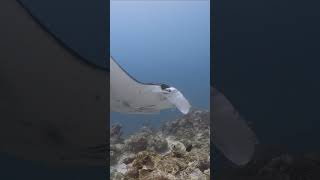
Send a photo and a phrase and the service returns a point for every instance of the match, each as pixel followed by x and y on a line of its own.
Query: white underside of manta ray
pixel 128 95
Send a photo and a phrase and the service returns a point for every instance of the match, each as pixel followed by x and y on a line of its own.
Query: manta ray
pixel 128 95
pixel 54 104
pixel 232 135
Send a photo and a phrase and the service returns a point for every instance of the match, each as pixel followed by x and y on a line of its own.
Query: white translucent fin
pixel 179 101
pixel 232 135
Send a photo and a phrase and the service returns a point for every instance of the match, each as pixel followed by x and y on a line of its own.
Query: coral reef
pixel 277 165
pixel 180 149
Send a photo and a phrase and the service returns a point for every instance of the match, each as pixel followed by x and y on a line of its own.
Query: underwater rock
pixel 207 172
pixel 136 143
pixel 158 144
pixel 115 151
pixel 194 174
pixel 189 147
pixel 175 145
pixel 115 133
pixel 129 158
pixel 146 139
pixel 133 173
pixel 146 160
pixel 290 167
pixel 276 167
pixel 116 175
pixel 179 150
pixel 121 168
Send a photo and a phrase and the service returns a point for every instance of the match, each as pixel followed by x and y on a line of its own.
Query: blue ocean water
pixel 267 56
pixel 267 65
pixel 163 41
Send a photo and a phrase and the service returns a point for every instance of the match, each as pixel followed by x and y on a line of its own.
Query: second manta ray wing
pixel 128 95
pixel 53 105
pixel 232 135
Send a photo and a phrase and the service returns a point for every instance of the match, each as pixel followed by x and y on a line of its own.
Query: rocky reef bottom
pixel 272 163
pixel 180 149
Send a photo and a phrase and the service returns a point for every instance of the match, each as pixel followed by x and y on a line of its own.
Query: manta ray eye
pixel 165 87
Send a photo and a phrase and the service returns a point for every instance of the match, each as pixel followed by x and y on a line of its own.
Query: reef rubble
pixel 180 149
pixel 274 162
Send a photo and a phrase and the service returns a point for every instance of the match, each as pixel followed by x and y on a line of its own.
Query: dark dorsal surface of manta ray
pixel 83 33
pixel 53 106
pixel 128 95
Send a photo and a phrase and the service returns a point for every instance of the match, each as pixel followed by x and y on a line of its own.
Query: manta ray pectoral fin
pixel 177 99
pixel 232 136
pixel 145 98
pixel 53 105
